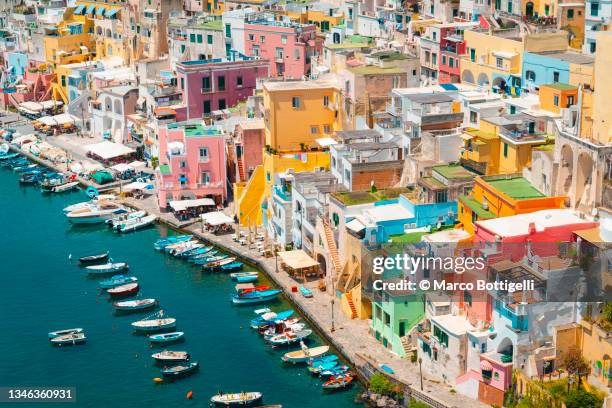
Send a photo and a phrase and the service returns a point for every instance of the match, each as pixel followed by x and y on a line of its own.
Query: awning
pixel 121 167
pixel 79 10
pixel 100 11
pixel 185 204
pixel 485 365
pixel 51 104
pixel 31 106
pixel 136 164
pixel 591 235
pixel 355 225
pixel 326 141
pixel 90 9
pixel 163 111
pixel 216 218
pixel 112 12
pixel 137 185
pixel 505 54
pixel 108 150
pixel 297 259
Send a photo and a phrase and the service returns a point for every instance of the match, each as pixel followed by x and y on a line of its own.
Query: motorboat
pixel 87 204
pixel 95 214
pixel 166 337
pixel 117 280
pixel 289 337
pixel 138 223
pixel 236 399
pixel 110 267
pixel 89 259
pixel 168 356
pixel 304 354
pixel 64 332
pixel 255 296
pixel 69 339
pixel 180 370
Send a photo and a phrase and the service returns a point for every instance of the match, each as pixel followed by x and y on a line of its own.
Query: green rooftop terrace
pixel 196 129
pixel 517 188
pixel 453 172
pixel 367 197
pixel 211 25
pixel 561 87
pixel 475 206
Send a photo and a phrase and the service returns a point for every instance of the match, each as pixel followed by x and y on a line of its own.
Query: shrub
pixel 582 399
pixel 379 384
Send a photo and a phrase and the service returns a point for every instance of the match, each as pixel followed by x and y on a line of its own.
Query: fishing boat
pixel 95 214
pixel 130 305
pixel 235 266
pixel 24 168
pixel 236 399
pixel 217 265
pixel 289 337
pixel 304 354
pixel 65 187
pixel 180 370
pixel 338 382
pixel 73 338
pixel 166 337
pixel 64 332
pixel 89 259
pixel 307 293
pixel 168 356
pixel 185 250
pixel 117 280
pixel 128 289
pixel 338 370
pixel 255 296
pixel 200 252
pixel 237 275
pixel 138 223
pixel 281 327
pixel 267 318
pixel 110 267
pixel 162 243
pixel 154 322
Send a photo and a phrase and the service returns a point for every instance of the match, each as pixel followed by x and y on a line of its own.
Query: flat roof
pixel 375 70
pixel 196 129
pixel 453 171
pixel 429 98
pixel 358 134
pixel 298 85
pixel 518 188
pixel 449 235
pixel 388 212
pixel 517 225
pixel 561 87
pixel 568 56
pixel 455 325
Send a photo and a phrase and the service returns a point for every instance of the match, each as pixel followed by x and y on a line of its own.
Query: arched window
pixel 530 76
pixel 99 30
pixel 107 104
pixel 108 33
pixel 118 109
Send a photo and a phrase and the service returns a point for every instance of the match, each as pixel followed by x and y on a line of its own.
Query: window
pixel 506 150
pixel 467 297
pixel 251 37
pixel 387 319
pixel 262 39
pixel 256 50
pixel 326 129
pixel 570 14
pixel 221 83
pixel 206 107
pixel 314 130
pixel 283 39
pixel 444 60
pixel 295 102
pixel 509 7
pixel 200 38
pixel 434 59
pixel 570 100
pixel 183 164
pixel 326 100
pixel 183 179
pixel 205 177
pixel 472 54
pixel 555 76
pixel 228 31
pixel 556 100
pixel 182 83
pixel 592 47
pixel 203 153
pixel 222 104
pixel 499 62
pixel 209 39
pixel 182 48
pixel 473 117
pixel 239 81
pixel 441 196
pixel 63 80
pixel 192 38
pixel 333 162
pixel 279 53
pixel 434 35
pixel 594 9
pixel 296 54
pixel 378 313
pixel 441 335
pixel 206 83
pixel 512 109
pixel 451 62
pixel 530 76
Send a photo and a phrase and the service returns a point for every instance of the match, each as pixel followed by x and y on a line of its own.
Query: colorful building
pixel 217 84
pixel 192 163
pixel 557 96
pixel 565 67
pixel 502 196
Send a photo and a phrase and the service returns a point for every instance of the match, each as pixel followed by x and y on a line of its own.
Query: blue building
pixel 78 79
pixel 552 67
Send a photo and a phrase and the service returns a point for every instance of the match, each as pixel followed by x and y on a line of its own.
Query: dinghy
pixel 237 275
pixel 110 267
pixel 124 290
pixel 255 296
pixel 217 265
pixel 180 370
pixel 168 356
pixel 130 305
pixel 166 337
pixel 72 339
pixel 307 293
pixel 235 266
pixel 117 280
pixel 85 260
pixel 267 318
pixel 236 399
pixel 64 332
pixel 339 382
pixel 338 370
pixel 305 354
pixel 289 337
pixel 149 324
pixel 162 243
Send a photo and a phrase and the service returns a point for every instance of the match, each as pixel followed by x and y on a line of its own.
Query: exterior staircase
pixel 349 299
pixel 406 345
pixel 241 173
pixel 331 246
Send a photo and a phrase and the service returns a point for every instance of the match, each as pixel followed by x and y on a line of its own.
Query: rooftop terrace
pixel 368 197
pixel 517 188
pixel 453 172
pixel 196 129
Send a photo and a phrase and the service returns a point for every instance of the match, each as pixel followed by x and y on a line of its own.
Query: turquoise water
pixel 43 291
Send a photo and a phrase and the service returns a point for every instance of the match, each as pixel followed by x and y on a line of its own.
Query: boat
pixel 386 368
pixel 73 338
pixel 9 156
pixel 208 259
pixel 281 327
pixel 24 168
pixel 200 252
pixel 154 322
pixel 139 304
pixel 95 214
pixel 139 223
pixel 255 296
pixel 314 362
pixel 268 317
pixel 289 337
pixel 338 382
pixel 247 279
pixel 304 354
pixel 87 204
pixel 166 337
pixel 124 290
pixel 168 356
pixel 307 293
pixel 338 370
pixel 117 280
pixel 89 259
pixel 116 222
pixel 237 275
pixel 185 248
pixel 180 370
pixel 236 266
pixel 162 243
pixel 236 399
pixel 317 367
pixel 65 187
pixel 109 267
pixel 64 332
pixel 216 265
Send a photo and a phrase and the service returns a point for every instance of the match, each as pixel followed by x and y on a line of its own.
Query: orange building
pixel 554 97
pixel 502 196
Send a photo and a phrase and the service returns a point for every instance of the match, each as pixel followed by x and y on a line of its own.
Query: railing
pixel 206 90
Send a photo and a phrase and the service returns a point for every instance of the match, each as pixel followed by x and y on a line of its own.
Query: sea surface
pixel 42 290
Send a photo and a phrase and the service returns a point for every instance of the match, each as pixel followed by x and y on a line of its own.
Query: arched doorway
pixel 500 84
pixel 505 347
pixel 467 77
pixel 336 37
pixel 322 264
pixel 529 9
pixel 483 80
pixel 566 170
pixel 584 171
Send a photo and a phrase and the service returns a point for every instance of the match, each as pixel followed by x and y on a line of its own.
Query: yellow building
pixel 296 113
pixel 323 20
pixel 495 59
pixel 539 8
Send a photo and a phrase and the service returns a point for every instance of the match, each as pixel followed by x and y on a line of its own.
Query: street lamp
pixel 421 372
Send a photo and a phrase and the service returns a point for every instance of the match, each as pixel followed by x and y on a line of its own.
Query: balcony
pixel 522 134
pixel 206 90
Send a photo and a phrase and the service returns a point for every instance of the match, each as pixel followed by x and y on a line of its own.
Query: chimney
pixel 532 228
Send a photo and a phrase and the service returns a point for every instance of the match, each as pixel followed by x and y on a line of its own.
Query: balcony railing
pixel 206 90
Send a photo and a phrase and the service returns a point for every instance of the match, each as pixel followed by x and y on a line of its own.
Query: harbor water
pixel 43 290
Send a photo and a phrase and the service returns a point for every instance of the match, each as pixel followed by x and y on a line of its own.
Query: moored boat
pixel 237 275
pixel 307 293
pixel 95 214
pixel 338 382
pixel 268 317
pixel 64 332
pixel 217 265
pixel 235 266
pixel 289 337
pixel 117 280
pixel 154 322
pixel 236 399
pixel 180 370
pixel 110 267
pixel 139 304
pixel 138 223
pixel 168 356
pixel 166 337
pixel 65 187
pixel 124 290
pixel 304 354
pixel 162 243
pixel 255 296
pixel 73 338
pixel 84 260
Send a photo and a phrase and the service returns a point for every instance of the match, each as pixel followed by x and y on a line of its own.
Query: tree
pixel 582 399
pixel 574 363
pixel 379 384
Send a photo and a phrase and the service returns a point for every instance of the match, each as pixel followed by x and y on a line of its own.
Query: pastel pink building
pixel 217 84
pixel 452 46
pixel 192 163
pixel 288 46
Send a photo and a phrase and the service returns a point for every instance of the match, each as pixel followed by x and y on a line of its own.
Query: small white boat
pixel 110 267
pixel 154 325
pixel 138 223
pixel 135 304
pixel 289 337
pixel 168 356
pixel 118 221
pixel 74 338
pixel 64 332
pixel 95 214
pixel 304 354
pixel 65 187
pixel 236 399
